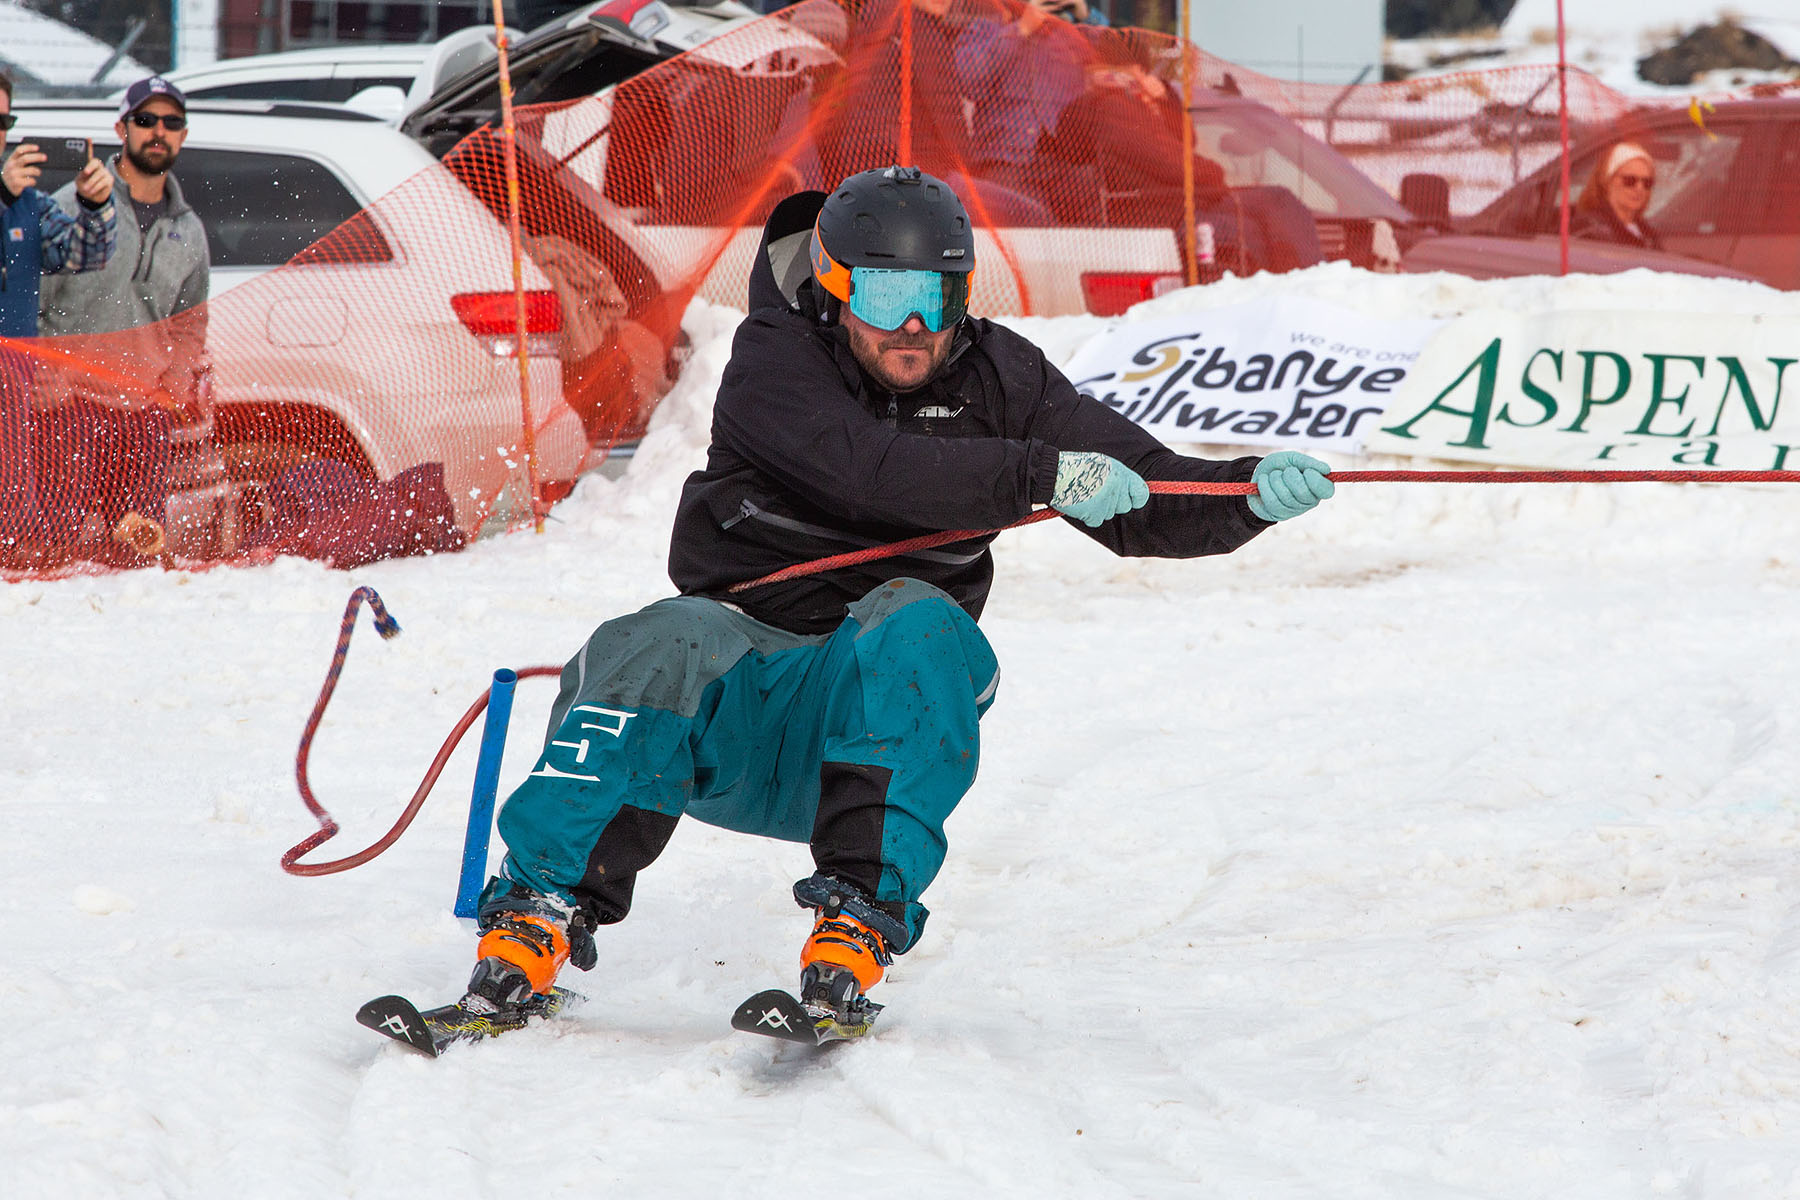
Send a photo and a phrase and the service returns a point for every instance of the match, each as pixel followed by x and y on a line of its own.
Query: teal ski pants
pixel 860 742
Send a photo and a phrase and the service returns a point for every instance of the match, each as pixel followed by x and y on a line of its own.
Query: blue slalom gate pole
pixel 487 785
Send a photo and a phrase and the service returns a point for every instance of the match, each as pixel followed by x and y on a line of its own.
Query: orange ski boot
pixel 517 958
pixel 840 962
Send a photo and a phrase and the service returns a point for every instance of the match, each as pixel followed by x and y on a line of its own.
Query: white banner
pixel 1641 390
pixel 1278 372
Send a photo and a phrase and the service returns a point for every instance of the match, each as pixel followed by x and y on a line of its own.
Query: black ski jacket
pixel 811 457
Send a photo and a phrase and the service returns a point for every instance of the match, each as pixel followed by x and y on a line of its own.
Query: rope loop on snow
pixel 328 828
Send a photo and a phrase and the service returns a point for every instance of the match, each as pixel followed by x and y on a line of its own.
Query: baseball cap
pixel 144 90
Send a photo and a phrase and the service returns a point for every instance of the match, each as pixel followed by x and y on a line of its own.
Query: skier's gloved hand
pixel 1288 483
pixel 1093 487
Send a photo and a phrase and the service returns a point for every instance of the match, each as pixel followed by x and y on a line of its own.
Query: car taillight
pixel 1109 293
pixel 493 318
pixel 642 17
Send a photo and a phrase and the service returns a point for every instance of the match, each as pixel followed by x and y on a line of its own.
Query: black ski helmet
pixel 897 218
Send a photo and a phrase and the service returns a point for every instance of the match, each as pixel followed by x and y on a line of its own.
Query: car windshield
pixel 567 67
pixel 303 88
pixel 1257 147
pixel 1694 193
pixel 1692 173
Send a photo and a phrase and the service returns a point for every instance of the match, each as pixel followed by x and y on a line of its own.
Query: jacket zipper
pixel 146 252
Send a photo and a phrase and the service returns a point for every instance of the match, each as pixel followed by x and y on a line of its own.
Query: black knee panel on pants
pixel 846 836
pixel 629 843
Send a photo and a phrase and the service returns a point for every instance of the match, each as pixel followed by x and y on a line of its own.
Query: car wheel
pixel 259 446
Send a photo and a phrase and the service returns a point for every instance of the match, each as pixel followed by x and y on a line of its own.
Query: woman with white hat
pixel 1611 207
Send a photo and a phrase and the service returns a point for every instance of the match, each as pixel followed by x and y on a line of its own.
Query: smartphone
pixel 63 153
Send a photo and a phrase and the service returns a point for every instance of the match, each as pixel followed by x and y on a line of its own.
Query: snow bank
pixel 1438 843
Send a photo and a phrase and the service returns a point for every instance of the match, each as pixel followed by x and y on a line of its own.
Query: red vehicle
pixel 1724 202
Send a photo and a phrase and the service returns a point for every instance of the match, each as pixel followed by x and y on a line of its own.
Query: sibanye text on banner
pixel 1279 372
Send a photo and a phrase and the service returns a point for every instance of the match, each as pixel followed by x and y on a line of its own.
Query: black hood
pixel 781 276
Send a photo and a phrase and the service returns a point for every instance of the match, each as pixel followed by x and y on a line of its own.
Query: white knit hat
pixel 1623 153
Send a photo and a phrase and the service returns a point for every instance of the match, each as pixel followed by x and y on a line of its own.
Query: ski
pixel 437 1029
pixel 778 1014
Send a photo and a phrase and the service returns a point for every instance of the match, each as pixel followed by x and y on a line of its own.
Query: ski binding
pixel 435 1030
pixel 778 1014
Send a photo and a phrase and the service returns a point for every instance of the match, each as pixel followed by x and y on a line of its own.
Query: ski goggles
pixel 887 298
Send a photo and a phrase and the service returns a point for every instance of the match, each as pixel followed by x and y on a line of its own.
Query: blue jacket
pixel 38 238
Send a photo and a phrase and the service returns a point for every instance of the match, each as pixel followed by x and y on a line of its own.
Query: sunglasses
pixel 887 299
pixel 8 120
pixel 150 120
pixel 1636 181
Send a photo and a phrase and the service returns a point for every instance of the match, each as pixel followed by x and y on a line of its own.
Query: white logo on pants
pixel 614 725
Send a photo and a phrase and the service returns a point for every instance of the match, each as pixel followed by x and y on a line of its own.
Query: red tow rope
pixel 387 627
pixel 1245 488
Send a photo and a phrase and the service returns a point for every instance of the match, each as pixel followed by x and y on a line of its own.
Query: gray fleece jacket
pixel 150 277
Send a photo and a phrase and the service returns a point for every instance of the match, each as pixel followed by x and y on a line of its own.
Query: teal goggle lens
pixel 885 299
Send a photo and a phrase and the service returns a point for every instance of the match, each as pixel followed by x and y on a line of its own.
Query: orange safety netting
pixel 364 400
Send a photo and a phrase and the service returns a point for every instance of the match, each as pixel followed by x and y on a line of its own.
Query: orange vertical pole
pixel 906 74
pixel 1187 145
pixel 509 152
pixel 1562 91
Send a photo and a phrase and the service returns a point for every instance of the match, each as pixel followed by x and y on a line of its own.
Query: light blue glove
pixel 1093 487
pixel 1287 484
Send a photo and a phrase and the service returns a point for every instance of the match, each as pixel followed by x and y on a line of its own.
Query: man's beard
pixel 867 345
pixel 136 157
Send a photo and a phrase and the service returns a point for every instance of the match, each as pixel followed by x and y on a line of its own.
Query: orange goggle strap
pixel 833 275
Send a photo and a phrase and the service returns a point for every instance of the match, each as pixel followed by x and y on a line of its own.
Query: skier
pixel 861 406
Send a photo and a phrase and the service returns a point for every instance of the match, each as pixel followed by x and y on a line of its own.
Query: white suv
pixel 383 80
pixel 388 348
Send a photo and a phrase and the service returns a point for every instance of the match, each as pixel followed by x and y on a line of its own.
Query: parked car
pixel 1491 256
pixel 1358 221
pixel 386 345
pixel 1724 202
pixel 1047 267
pixel 570 58
pixel 629 231
pixel 623 343
pixel 385 80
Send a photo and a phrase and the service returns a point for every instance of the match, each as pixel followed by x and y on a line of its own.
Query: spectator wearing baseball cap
pixel 144 90
pixel 161 267
pixel 156 285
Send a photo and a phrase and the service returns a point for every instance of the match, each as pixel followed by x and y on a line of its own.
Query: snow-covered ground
pixel 1439 843
pixel 1606 38
pixel 35 49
